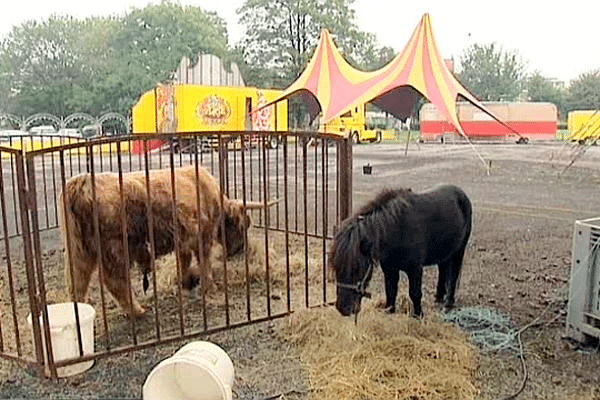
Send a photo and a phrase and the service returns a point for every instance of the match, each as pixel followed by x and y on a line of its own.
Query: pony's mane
pixel 359 233
pixel 382 200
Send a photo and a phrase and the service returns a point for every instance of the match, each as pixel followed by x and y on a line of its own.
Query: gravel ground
pixel 526 199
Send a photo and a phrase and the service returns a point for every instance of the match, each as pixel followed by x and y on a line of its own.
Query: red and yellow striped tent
pixel 419 68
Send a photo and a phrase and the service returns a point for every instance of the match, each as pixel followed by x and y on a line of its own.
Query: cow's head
pixel 237 222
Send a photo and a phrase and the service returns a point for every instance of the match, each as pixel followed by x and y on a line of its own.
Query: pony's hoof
pixel 389 309
pixel 417 316
pixel 447 307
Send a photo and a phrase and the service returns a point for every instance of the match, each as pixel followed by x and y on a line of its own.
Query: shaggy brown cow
pixel 198 219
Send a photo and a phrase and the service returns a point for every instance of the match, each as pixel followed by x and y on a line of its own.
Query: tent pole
pixel 407 140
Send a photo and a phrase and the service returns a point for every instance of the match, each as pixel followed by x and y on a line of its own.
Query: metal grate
pixel 583 311
pixel 283 269
pixel 594 265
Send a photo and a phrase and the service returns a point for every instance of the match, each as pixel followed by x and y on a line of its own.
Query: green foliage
pixel 42 65
pixel 150 44
pixel 62 65
pixel 584 92
pixel 157 37
pixel 540 88
pixel 492 74
pixel 282 35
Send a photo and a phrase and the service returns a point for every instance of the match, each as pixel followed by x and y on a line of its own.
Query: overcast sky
pixel 561 42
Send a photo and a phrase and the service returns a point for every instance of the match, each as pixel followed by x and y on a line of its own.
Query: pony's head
pixel 351 258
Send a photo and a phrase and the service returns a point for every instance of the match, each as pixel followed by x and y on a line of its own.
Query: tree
pixel 492 74
pixel 62 65
pixel 5 81
pixel 281 35
pixel 41 64
pixel 99 63
pixel 152 42
pixel 540 88
pixel 584 92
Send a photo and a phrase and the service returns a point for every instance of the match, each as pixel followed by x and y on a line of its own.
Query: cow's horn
pixel 253 205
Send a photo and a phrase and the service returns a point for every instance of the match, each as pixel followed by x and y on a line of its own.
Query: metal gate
pixel 282 269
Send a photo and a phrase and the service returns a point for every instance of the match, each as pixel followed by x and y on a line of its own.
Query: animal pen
pixel 283 267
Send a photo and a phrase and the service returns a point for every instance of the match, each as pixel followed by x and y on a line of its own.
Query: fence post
pixel 34 300
pixel 345 174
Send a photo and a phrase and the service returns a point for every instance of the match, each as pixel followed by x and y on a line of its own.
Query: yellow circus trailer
pixel 198 108
pixel 583 125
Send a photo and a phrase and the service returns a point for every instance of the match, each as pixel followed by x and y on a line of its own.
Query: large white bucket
pixel 63 333
pixel 197 371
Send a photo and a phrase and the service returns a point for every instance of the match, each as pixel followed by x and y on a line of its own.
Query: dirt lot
pixel 518 262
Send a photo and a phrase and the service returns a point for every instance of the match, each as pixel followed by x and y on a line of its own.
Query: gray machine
pixel 583 310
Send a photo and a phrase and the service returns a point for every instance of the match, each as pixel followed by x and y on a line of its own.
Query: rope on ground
pixel 492 331
pixel 489 329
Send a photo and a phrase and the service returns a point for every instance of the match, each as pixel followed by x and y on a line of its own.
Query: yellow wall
pixel 192 108
pixel 143 114
pixel 584 125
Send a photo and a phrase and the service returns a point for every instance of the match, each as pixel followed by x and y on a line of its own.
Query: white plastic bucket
pixel 197 371
pixel 63 334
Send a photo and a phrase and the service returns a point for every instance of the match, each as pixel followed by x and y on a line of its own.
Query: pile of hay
pixel 166 271
pixel 382 356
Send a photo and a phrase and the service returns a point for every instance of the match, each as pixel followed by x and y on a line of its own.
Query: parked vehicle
pixel 12 132
pixel 362 126
pixel 583 125
pixel 43 130
pixel 90 131
pixel 197 108
pixel 531 119
pixel 69 132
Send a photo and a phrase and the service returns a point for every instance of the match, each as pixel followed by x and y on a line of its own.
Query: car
pixel 69 132
pixel 91 131
pixel 42 130
pixel 12 132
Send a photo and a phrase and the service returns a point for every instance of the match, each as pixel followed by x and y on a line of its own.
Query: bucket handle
pixel 212 358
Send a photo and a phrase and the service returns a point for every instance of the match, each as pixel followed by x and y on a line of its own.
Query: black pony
pixel 403 231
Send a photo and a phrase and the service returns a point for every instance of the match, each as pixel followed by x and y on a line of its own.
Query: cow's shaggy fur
pixel 199 214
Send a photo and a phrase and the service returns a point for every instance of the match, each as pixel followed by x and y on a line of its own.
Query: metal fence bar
pixel 177 239
pixel 125 237
pixel 222 185
pixel 198 216
pixel 324 200
pixel 265 175
pixel 237 178
pixel 37 293
pixel 151 238
pixel 69 251
pixel 9 268
pixel 246 244
pixel 15 194
pixel 287 224
pixel 305 216
pixel 97 239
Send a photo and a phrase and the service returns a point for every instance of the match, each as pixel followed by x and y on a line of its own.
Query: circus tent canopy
pixel 419 68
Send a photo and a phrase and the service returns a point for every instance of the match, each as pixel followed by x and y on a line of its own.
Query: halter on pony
pixel 361 287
